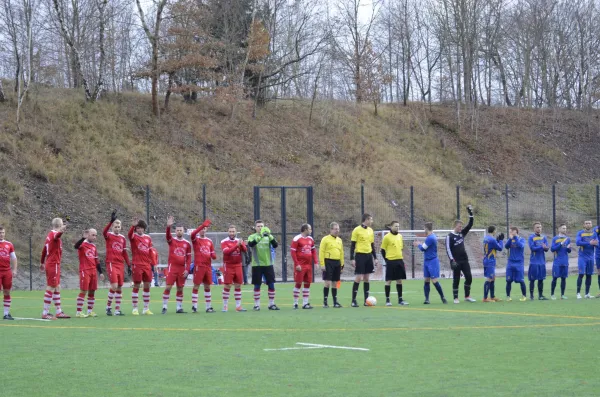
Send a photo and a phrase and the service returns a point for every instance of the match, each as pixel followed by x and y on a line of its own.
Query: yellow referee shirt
pixel 331 248
pixel 393 245
pixel 364 237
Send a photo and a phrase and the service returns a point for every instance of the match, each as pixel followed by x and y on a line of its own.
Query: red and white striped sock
pixel 80 300
pixel 179 300
pixel 305 295
pixel 134 297
pixel 238 297
pixel 7 302
pixel 111 296
pixel 257 297
pixel 296 295
pixel 91 301
pixel 195 298
pixel 225 296
pixel 271 297
pixel 166 296
pixel 56 299
pixel 47 301
pixel 146 298
pixel 207 299
pixel 118 297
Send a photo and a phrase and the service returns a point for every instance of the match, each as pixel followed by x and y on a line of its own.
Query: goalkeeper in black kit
pixel 459 260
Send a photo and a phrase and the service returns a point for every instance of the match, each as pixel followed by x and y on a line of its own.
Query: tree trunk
pixel 2 97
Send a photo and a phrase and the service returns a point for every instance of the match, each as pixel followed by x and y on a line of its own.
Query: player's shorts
pixel 175 276
pixel 395 270
pixel 142 274
pixel 536 272
pixel 259 271
pixel 364 263
pixel 333 270
pixel 202 275
pixel 53 275
pixel 489 271
pixel 116 273
pixel 6 278
pixel 431 268
pixel 598 262
pixel 233 275
pixel 585 266
pixel 515 272
pixel 561 271
pixel 304 275
pixel 88 280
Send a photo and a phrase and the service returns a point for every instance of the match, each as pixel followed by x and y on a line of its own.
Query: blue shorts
pixel 431 268
pixel 515 273
pixel 598 263
pixel 536 272
pixel 560 271
pixel 489 271
pixel 585 266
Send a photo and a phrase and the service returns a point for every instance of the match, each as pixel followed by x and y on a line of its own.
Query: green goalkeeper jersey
pixel 259 246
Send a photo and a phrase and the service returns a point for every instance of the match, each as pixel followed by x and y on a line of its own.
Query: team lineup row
pixel 257 249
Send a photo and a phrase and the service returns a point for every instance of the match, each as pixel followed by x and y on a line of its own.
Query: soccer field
pixel 532 348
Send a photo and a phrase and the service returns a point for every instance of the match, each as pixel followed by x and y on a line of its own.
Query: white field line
pixel 33 319
pixel 334 347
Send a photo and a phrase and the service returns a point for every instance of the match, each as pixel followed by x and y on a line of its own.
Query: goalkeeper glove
pixel 266 232
pixel 113 216
pixel 129 271
pixel 453 264
pixel 500 237
pixel 470 210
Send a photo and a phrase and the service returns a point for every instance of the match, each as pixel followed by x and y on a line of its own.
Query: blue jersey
pixel 561 252
pixel 597 231
pixel 429 247
pixel 586 250
pixel 490 246
pixel 516 245
pixel 538 252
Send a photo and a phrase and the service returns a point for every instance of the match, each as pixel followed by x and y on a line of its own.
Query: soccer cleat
pixel 588 296
pixel 273 307
pixel 240 309
pixel 92 314
pixel 256 308
pixel 7 317
pixel 194 309
pixel 63 316
pixel 147 312
pixel 388 303
pixel 523 299
pixel 109 312
pixel 325 305
pixel 563 297
pixel 210 310
pixel 403 303
pixel 496 299
pixel 119 313
pixel 531 297
pixel 163 311
pixel 225 308
pixel 469 299
pixel 295 306
pixel 508 299
pixel 135 312
pixel 578 295
pixel 354 304
pixel 444 301
pixel 427 302
pixel 48 317
pixel 180 311
pixel 307 306
pixel 553 297
pixel 542 298
pixel 456 300
pixel 337 305
pixel 81 315
pixel 487 300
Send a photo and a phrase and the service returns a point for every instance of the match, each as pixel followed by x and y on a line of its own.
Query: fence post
pixel 553 209
pixel 310 217
pixel 283 237
pixel 30 264
pixel 362 199
pixel 507 217
pixel 148 207
pixel 597 204
pixel 412 226
pixel 203 202
pixel 457 201
pixel 256 202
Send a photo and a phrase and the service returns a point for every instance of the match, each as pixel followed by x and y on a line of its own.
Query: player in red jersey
pixel 304 255
pixel 116 258
pixel 232 248
pixel 142 264
pixel 204 252
pixel 180 258
pixel 50 263
pixel 8 258
pixel 89 264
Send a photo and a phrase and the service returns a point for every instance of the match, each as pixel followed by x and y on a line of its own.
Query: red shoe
pixel 48 317
pixel 62 315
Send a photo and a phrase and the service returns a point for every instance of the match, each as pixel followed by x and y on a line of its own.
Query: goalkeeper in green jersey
pixel 260 244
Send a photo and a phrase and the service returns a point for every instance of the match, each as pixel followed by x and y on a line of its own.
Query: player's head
pixel 306 229
pixel 428 227
pixel 587 225
pixel 232 231
pixel 2 232
pixel 203 231
pixel 92 234
pixel 116 227
pixel 394 226
pixel 179 231
pixel 514 230
pixel 491 230
pixel 258 225
pixel 537 227
pixel 458 226
pixel 140 227
pixel 334 229
pixel 57 223
pixel 367 220
pixel 562 229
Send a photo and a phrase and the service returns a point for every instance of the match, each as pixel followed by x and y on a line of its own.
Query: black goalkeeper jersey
pixel 455 244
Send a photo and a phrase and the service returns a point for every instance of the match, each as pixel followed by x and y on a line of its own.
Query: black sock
pixel 493 289
pixel 366 289
pixel 588 283
pixel 553 286
pixel 579 282
pixel 541 287
pixel 467 290
pixel 334 295
pixel 523 288
pixel 354 290
pixel 399 289
pixel 387 292
pixel 531 287
pixel 438 287
pixel 598 275
pixel 325 293
pixel 563 285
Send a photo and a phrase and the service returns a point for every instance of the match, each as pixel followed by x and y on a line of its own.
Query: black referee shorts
pixel 333 269
pixel 395 270
pixel 364 263
pixel 259 271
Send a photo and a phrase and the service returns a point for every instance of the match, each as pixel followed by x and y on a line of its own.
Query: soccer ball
pixel 371 301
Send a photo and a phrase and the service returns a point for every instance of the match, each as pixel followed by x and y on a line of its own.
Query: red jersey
pixel 180 252
pixel 204 250
pixel 232 254
pixel 140 248
pixel 303 251
pixel 52 252
pixel 115 247
pixel 7 251
pixel 88 257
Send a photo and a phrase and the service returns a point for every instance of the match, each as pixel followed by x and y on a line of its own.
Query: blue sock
pixel 271 286
pixel 426 289
pixel 563 285
pixel 588 283
pixel 523 288
pixel 492 289
pixel 579 282
pixel 486 289
pixel 438 287
pixel 508 288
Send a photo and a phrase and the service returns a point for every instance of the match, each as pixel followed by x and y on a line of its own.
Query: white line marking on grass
pixel 33 319
pixel 292 348
pixel 316 346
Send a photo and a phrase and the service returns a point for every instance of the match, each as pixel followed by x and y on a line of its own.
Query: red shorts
pixel 88 280
pixel 175 276
pixel 233 275
pixel 304 275
pixel 6 279
pixel 203 275
pixel 116 273
pixel 52 275
pixel 142 274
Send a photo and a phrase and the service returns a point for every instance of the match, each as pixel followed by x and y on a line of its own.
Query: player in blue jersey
pixel 491 245
pixel 431 263
pixel 587 240
pixel 561 246
pixel 538 244
pixel 515 268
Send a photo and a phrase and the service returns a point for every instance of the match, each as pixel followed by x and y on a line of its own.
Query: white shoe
pixel 456 300
pixel 578 295
pixel 588 296
pixel 553 297
pixel 563 297
pixel 469 299
pixel 388 303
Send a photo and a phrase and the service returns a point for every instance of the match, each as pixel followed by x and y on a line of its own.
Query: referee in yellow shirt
pixel 391 251
pixel 331 252
pixel 363 256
